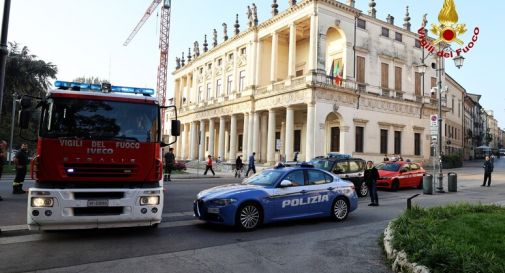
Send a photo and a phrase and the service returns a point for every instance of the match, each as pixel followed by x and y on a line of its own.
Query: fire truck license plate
pixel 98 203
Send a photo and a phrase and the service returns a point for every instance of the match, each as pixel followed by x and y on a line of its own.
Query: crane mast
pixel 161 84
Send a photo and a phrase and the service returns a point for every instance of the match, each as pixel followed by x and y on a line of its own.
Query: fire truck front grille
pixel 98 211
pixel 99 170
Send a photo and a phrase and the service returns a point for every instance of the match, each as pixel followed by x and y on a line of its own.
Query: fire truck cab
pixel 99 158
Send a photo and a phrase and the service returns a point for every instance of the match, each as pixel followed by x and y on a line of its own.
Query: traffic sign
pixel 434 120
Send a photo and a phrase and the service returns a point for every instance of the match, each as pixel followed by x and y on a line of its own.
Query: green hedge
pixel 452 161
pixel 456 238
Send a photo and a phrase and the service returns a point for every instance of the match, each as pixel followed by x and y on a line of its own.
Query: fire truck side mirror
pixel 26 113
pixel 176 128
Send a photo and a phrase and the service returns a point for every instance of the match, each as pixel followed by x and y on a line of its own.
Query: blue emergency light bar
pixel 98 87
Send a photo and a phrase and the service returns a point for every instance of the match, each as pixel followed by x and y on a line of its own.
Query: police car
pixel 277 194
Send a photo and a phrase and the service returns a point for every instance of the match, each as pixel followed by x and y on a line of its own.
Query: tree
pixel 25 75
pixel 91 80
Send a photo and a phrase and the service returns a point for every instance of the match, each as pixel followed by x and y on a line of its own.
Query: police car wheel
pixel 363 189
pixel 249 216
pixel 340 209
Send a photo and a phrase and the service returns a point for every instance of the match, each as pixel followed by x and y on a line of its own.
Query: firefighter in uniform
pixel 21 160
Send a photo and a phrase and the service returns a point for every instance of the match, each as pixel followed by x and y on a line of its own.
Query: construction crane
pixel 161 85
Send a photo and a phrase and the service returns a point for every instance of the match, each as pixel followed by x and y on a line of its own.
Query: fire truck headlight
pixel 149 200
pixel 41 202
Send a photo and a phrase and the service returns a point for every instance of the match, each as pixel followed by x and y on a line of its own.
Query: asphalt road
pixel 182 244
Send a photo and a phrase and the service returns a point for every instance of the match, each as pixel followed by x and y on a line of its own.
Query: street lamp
pixel 421 68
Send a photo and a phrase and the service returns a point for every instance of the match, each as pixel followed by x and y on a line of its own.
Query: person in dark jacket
pixel 238 166
pixel 488 169
pixel 371 176
pixel 21 160
pixel 252 166
pixel 169 163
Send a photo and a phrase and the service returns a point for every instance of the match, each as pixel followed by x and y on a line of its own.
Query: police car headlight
pixel 222 202
pixel 149 200
pixel 42 202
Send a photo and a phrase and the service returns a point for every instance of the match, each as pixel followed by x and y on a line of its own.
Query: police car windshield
pixel 323 164
pixel 100 119
pixel 391 167
pixel 265 178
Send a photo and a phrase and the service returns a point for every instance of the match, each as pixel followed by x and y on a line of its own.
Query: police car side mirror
pixel 286 183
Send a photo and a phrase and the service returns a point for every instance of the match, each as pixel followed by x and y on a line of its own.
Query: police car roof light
pixel 279 166
pixel 98 87
pixel 337 155
pixel 306 165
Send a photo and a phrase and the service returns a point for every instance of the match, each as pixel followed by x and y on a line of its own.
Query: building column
pixel 178 145
pixel 201 147
pixel 226 145
pixel 313 40
pixel 264 137
pixel 185 151
pixel 250 138
pixel 292 51
pixel 234 86
pixel 274 57
pixel 233 138
pixel 187 92
pixel 283 137
pixel 290 124
pixel 251 63
pixel 221 138
pixel 211 138
pixel 192 140
pixel 345 147
pixel 271 137
pixel 256 133
pixel 309 150
pixel 245 136
pixel 257 72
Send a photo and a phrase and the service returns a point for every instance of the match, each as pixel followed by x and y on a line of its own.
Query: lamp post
pixel 440 70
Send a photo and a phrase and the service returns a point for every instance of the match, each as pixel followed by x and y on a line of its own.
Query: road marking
pixel 177 214
pixel 179 223
pixel 20 239
pixel 14 228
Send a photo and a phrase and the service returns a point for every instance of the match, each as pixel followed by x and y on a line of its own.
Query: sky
pixel 85 37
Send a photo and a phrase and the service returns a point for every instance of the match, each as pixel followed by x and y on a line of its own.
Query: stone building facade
pixel 319 77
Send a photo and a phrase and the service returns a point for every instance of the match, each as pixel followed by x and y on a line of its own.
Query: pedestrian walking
pixel 238 167
pixel 371 176
pixel 488 169
pixel 21 160
pixel 169 163
pixel 209 166
pixel 296 157
pixel 252 166
pixel 3 158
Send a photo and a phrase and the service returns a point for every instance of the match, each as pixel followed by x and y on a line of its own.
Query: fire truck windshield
pixel 100 119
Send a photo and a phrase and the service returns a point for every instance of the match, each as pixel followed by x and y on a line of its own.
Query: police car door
pixel 288 201
pixel 320 192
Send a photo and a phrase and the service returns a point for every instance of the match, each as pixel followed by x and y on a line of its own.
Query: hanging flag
pixel 332 75
pixel 335 71
pixel 340 76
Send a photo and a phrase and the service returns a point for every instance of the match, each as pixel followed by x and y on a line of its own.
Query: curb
pixel 399 258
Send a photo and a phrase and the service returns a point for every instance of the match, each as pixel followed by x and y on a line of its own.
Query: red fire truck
pixel 99 158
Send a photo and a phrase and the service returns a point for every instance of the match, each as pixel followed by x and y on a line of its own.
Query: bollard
pixel 409 200
pixel 452 182
pixel 428 184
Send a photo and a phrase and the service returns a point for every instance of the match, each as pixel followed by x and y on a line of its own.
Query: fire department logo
pixel 448 28
pixel 447 31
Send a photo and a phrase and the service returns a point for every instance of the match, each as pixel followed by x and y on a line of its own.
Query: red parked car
pixel 400 174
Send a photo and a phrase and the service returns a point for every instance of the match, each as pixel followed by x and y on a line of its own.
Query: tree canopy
pixel 25 74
